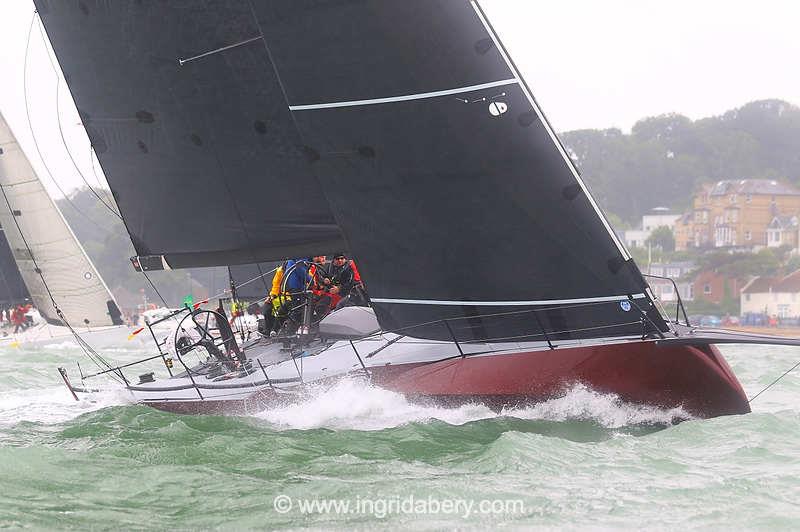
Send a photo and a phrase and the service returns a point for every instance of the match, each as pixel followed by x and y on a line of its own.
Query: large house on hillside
pixel 741 214
pixel 773 296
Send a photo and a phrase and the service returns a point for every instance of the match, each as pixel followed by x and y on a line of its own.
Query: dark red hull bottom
pixel 696 379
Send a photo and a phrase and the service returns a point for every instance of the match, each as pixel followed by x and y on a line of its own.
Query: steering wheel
pixel 200 319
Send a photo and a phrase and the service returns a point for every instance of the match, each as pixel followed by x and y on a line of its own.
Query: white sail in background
pixel 40 237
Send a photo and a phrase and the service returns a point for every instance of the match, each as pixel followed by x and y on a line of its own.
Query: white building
pixel 658 217
pixel 782 231
pixel 636 238
pixel 774 296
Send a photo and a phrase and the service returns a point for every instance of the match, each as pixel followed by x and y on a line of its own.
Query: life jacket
pixel 277 279
pixel 279 299
pixel 356 275
pixel 315 285
pixel 320 289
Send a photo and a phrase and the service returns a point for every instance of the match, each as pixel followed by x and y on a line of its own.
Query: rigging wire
pixel 257 277
pixel 61 129
pixel 215 296
pixel 163 301
pixel 106 192
pixel 785 373
pixel 87 349
pixel 33 134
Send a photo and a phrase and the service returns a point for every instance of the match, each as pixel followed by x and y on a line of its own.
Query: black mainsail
pixel 258 123
pixel 184 136
pixel 455 195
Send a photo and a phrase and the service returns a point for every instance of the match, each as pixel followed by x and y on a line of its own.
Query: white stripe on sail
pixel 504 303
pixel 404 98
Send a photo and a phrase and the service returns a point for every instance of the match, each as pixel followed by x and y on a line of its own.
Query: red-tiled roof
pixel 761 285
pixel 790 283
pixel 787 284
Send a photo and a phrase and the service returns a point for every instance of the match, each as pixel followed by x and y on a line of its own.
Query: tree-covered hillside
pixel 106 241
pixel 664 158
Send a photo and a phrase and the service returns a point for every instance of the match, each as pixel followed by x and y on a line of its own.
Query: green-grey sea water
pixel 582 461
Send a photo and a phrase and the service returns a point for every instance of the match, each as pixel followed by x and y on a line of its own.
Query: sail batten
pixel 507 303
pixel 403 98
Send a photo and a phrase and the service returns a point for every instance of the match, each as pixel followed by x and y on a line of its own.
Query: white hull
pixel 669 372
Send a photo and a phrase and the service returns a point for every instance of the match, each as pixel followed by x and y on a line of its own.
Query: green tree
pixel 662 238
pixel 665 158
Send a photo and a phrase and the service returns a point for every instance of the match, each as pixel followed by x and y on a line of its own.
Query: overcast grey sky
pixel 590 64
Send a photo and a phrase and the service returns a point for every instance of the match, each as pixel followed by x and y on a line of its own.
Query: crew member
pixel 276 304
pixel 226 333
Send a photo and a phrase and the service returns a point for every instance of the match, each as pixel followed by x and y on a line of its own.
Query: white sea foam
pixel 54 404
pixel 355 404
pixel 60 346
pixel 582 403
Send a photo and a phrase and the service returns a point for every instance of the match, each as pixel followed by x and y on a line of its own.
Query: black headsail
pixel 189 123
pixel 12 286
pixel 456 197
pixel 252 281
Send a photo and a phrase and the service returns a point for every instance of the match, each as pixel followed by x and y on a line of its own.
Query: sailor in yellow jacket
pixel 274 309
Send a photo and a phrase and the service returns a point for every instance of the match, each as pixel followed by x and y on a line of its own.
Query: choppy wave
pixel 581 459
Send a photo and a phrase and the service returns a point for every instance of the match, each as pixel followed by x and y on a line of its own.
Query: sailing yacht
pixel 237 132
pixel 45 263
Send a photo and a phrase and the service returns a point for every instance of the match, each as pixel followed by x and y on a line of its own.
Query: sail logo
pixel 497 108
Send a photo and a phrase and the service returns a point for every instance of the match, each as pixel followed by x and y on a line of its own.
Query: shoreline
pixel 773 331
